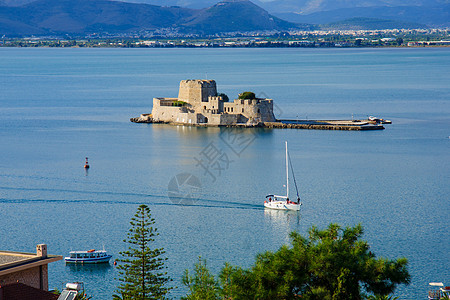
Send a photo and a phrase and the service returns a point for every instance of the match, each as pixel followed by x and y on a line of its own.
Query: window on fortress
pixel 259 111
pixel 204 107
pixel 231 109
pixel 242 110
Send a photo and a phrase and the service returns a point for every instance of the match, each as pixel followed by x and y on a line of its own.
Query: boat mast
pixel 287 174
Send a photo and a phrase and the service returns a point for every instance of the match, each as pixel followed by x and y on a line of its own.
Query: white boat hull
pixel 282 205
pixel 97 260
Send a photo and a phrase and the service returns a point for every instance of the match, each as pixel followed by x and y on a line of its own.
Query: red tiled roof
pixel 20 291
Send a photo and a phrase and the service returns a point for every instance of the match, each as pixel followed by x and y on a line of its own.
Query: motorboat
pixel 88 257
pixel 438 291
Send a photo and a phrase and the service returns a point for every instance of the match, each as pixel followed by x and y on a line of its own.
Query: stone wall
pixel 165 113
pixel 196 91
pixel 259 110
pixel 31 277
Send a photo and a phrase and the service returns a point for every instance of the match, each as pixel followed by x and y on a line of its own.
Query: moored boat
pixel 439 291
pixel 88 257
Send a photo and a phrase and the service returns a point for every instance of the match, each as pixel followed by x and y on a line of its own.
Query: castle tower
pixel 196 91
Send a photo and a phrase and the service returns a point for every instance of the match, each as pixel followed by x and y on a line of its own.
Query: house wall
pixel 32 277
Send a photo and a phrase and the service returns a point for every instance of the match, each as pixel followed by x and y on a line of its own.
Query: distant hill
pixel 434 13
pixel 433 16
pixel 101 16
pixel 369 24
pixel 15 2
pixel 83 16
pixel 234 15
pixel 305 7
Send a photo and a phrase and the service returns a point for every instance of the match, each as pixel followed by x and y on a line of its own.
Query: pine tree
pixel 141 274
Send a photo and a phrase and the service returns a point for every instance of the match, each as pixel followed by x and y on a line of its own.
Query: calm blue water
pixel 59 105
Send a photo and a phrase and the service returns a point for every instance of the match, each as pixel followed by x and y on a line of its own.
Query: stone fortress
pixel 199 104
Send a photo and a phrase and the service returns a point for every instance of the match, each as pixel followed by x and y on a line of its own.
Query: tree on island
pixel 224 97
pixel 330 264
pixel 247 95
pixel 142 274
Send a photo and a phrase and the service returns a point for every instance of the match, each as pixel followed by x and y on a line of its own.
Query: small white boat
pixel 439 291
pixel 283 202
pixel 88 257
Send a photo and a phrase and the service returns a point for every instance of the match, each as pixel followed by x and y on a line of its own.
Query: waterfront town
pixel 172 39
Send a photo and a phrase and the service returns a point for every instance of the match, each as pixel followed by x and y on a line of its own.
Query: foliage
pixel 202 285
pixel 224 97
pixel 142 274
pixel 247 95
pixel 330 264
pixel 82 296
pixel 178 103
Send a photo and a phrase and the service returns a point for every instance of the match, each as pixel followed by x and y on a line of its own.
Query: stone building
pixel 199 104
pixel 30 269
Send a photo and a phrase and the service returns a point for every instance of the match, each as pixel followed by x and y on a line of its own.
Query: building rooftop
pixel 9 257
pixel 11 261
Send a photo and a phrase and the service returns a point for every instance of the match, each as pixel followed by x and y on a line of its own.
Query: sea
pixel 206 186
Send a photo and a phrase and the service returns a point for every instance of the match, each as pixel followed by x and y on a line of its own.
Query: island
pixel 199 104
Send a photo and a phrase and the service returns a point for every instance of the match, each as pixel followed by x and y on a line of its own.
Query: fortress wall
pixel 266 111
pixel 213 119
pixel 259 110
pixel 165 113
pixel 196 91
pixel 213 105
pixel 187 118
pixel 227 108
pixel 229 119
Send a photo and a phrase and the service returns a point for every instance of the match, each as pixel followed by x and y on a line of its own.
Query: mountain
pixel 234 15
pixel 433 13
pixel 84 16
pixel 101 16
pixel 433 16
pixel 15 2
pixel 369 24
pixel 305 7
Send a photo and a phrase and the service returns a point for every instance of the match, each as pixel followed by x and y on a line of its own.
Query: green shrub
pixel 224 97
pixel 178 103
pixel 247 95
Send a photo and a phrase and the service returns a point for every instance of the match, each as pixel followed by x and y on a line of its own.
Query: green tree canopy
pixel 201 284
pixel 330 264
pixel 224 97
pixel 142 274
pixel 247 95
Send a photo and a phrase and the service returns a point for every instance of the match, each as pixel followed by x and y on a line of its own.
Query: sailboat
pixel 283 202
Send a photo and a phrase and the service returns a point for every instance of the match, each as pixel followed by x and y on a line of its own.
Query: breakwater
pixel 360 125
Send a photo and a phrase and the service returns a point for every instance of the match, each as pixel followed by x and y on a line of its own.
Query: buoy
pixel 86 165
pixel 115 262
